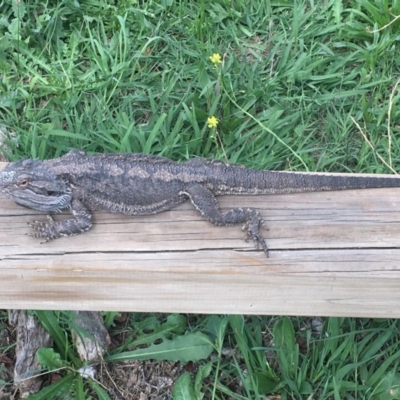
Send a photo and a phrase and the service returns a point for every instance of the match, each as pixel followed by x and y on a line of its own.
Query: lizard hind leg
pixel 206 203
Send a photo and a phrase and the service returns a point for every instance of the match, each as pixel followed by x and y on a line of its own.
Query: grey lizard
pixel 139 184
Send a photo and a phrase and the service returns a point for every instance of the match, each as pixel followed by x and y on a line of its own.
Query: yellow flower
pixel 212 122
pixel 216 59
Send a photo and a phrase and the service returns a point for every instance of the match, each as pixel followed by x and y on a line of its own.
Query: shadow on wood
pixel 331 253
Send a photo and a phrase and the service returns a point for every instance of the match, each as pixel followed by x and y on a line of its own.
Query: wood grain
pixel 332 253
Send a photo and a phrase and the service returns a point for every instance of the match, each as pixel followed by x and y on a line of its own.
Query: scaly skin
pixel 138 184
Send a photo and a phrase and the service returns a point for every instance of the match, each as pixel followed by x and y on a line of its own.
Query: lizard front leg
pixel 52 229
pixel 206 203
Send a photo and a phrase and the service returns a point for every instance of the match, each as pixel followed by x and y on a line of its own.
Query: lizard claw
pixel 259 241
pixel 44 230
pixel 37 235
pixel 263 225
pixel 252 232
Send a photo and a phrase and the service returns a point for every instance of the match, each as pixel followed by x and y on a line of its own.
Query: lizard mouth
pixel 43 200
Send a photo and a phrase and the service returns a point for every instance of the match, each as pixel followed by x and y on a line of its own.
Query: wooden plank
pixel 332 253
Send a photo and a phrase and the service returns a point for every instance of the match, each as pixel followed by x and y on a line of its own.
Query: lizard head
pixel 29 184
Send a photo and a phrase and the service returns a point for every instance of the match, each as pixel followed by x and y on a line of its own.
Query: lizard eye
pixel 23 182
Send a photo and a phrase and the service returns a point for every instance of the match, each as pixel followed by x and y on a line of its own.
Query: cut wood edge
pixel 331 255
pixel 288 283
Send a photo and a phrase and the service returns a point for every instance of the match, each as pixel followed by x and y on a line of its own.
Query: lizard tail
pixel 274 182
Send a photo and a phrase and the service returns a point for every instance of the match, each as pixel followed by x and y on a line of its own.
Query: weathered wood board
pixel 332 253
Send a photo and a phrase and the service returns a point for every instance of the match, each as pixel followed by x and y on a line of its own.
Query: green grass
pixel 135 76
